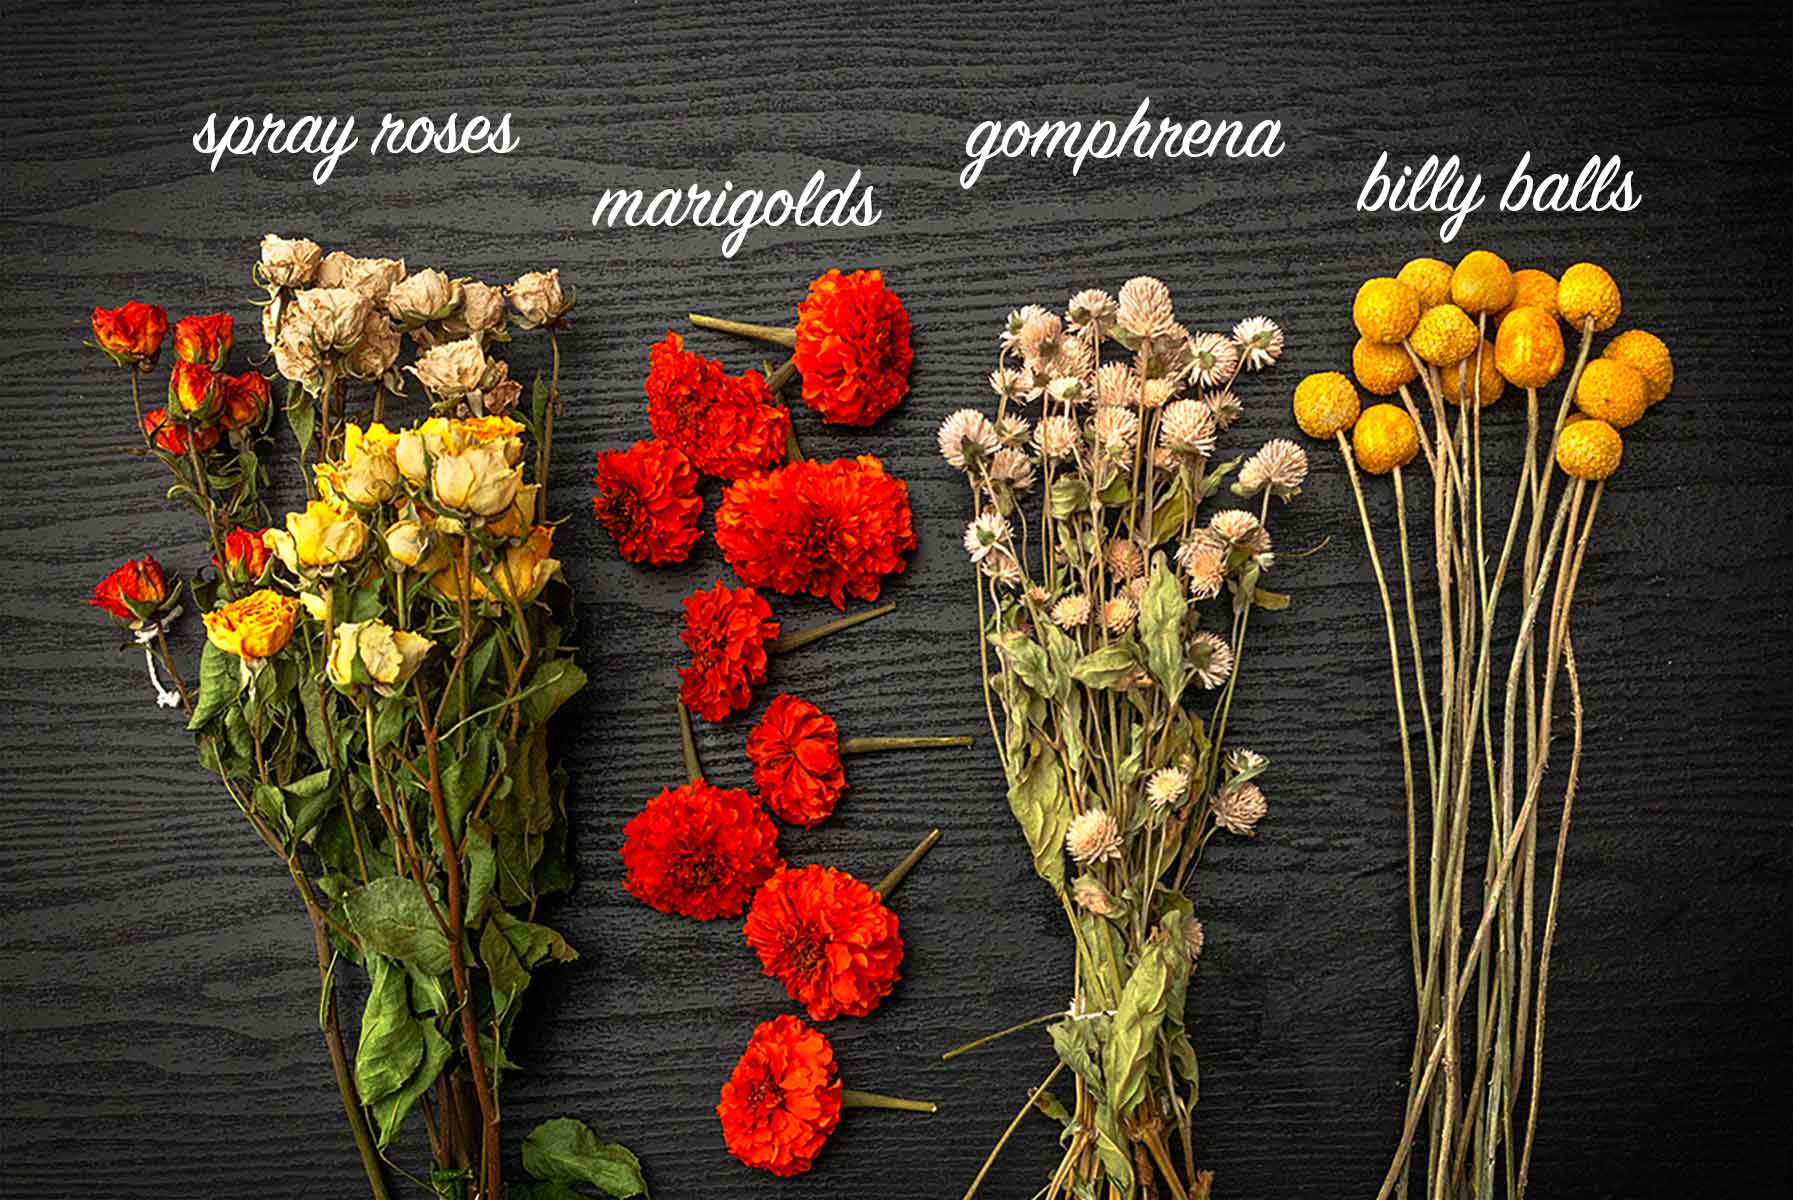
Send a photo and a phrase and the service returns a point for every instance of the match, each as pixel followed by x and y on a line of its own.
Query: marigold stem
pixel 852 1099
pixel 803 637
pixel 782 335
pixel 871 745
pixel 693 769
pixel 775 382
pixel 889 883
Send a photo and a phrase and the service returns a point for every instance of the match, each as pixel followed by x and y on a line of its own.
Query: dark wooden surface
pixel 159 1003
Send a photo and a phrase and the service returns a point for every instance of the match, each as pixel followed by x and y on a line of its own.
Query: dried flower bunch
pixel 1475 1085
pixel 380 670
pixel 1093 555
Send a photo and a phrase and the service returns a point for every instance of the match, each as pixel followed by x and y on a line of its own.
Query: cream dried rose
pixel 372 277
pixel 426 295
pixel 377 350
pixel 333 317
pixel 451 369
pixel 482 308
pixel 537 296
pixel 289 262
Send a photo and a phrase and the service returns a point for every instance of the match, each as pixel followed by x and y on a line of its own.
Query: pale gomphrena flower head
pixel 1012 430
pixel 1194 938
pixel 1001 566
pixel 1239 761
pixel 1125 558
pixel 1144 307
pixel 1013 467
pixel 1213 359
pixel 1017 321
pixel 1033 383
pixel 1279 465
pixel 1236 529
pixel 1156 393
pixel 1187 426
pixel 1260 342
pixel 1008 384
pixel 1041 331
pixel 966 439
pixel 1091 311
pixel 1071 358
pixel 1212 658
pixel 1118 613
pixel 1136 590
pixel 1072 612
pixel 1166 459
pixel 1037 594
pixel 1225 406
pixel 1067 391
pixel 986 533
pixel 1055 437
pixel 1239 809
pixel 1114 428
pixel 1093 837
pixel 1205 565
pixel 1091 896
pixel 1167 787
pixel 1117 383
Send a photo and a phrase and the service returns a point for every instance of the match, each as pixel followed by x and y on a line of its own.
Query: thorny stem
pixel 899 872
pixel 815 633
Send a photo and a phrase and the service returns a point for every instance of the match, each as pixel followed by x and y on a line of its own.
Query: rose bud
pixel 193 392
pixel 452 369
pixel 428 295
pixel 482 308
pixel 244 399
pixel 204 340
pixel 407 542
pixel 169 436
pixel 476 480
pixel 333 316
pixel 538 298
pixel 377 350
pixel 136 591
pixel 130 335
pixel 289 263
pixel 246 555
pixel 372 652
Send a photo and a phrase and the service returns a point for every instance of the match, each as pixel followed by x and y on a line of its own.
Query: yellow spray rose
pixel 368 470
pixel 407 542
pixel 521 574
pixel 372 652
pixel 322 536
pixel 253 627
pixel 476 480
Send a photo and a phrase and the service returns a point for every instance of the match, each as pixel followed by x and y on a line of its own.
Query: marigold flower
pixel 204 339
pixel 172 437
pixel 1094 836
pixel 253 627
pixel 699 851
pixel 828 938
pixel 1384 438
pixel 1528 349
pixel 795 751
pixel 727 425
pixel 1613 391
pixel 1382 367
pixel 1325 404
pixel 243 399
pixel 647 499
pixel 1430 279
pixel 1589 449
pixel 783 1098
pixel 1587 292
pixel 1482 282
pixel 131 333
pixel 726 630
pixel 852 347
pixel 1459 378
pixel 246 555
pixel 1385 309
pixel 829 529
pixel 1445 335
pixel 1647 353
pixel 134 591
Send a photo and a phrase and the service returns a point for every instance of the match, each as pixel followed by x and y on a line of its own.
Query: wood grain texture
pixel 158 1003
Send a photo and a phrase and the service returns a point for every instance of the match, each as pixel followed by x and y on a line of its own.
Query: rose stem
pixel 815 633
pixel 693 769
pixel 852 1099
pixel 775 382
pixel 871 745
pixel 889 883
pixel 780 335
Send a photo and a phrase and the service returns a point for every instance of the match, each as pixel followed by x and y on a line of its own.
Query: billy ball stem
pixel 803 637
pixel 899 872
pixel 849 1098
pixel 872 745
pixel 782 335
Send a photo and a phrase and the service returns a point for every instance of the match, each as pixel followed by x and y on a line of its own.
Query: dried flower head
pixel 1072 612
pixel 1279 465
pixel 1213 359
pixel 1055 437
pixel 1093 837
pixel 1017 321
pixel 1144 308
pixel 1008 384
pixel 1092 311
pixel 1012 467
pixel 1260 342
pixel 1212 658
pixel 1167 786
pixel 1241 760
pixel 1125 557
pixel 1236 529
pixel 966 438
pixel 1205 564
pixel 1188 427
pixel 987 532
pixel 1225 406
pixel 1068 391
pixel 1239 809
pixel 1194 938
pixel 1091 896
pixel 1001 566
pixel 1117 383
pixel 1156 393
pixel 1119 612
pixel 1114 429
pixel 1012 430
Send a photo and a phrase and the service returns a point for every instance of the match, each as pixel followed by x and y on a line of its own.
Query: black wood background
pixel 159 998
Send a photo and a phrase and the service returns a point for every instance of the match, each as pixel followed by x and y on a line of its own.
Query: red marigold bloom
pixel 826 529
pixel 169 435
pixel 134 591
pixel 828 938
pixel 727 425
pixel 727 630
pixel 853 347
pixel 204 339
pixel 244 398
pixel 699 851
pixel 783 1099
pixel 131 333
pixel 193 390
pixel 796 761
pixel 246 555
pixel 647 498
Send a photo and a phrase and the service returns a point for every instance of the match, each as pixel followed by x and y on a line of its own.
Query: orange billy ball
pixel 1587 291
pixel 1589 450
pixel 1384 438
pixel 1385 309
pixel 1528 349
pixel 1325 404
pixel 1445 335
pixel 1452 377
pixel 1382 368
pixel 1649 355
pixel 1611 391
pixel 1482 282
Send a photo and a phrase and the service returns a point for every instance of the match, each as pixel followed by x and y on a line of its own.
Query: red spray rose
pixel 795 750
pixel 727 630
pixel 204 340
pixel 699 851
pixel 727 425
pixel 193 391
pixel 134 591
pixel 783 1099
pixel 828 938
pixel 246 555
pixel 172 437
pixel 131 333
pixel 853 347
pixel 647 499
pixel 244 398
pixel 826 529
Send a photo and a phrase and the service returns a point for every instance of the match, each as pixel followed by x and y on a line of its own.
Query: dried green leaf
pixel 220 679
pixel 1161 616
pixel 552 685
pixel 1105 666
pixel 1043 810
pixel 565 1150
pixel 392 918
pixel 391 1040
pixel 390 1112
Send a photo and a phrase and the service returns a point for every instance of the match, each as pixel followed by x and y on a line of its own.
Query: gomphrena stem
pixel 889 883
pixel 815 633
pixel 871 745
pixel 783 335
pixel 852 1099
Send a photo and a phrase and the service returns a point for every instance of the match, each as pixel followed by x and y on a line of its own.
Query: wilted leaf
pixel 392 918
pixel 390 1112
pixel 1037 798
pixel 220 678
pixel 1105 666
pixel 552 685
pixel 391 1040
pixel 1161 629
pixel 565 1150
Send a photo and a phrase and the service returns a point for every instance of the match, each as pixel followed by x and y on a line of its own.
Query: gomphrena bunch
pixel 380 671
pixel 1425 338
pixel 1094 561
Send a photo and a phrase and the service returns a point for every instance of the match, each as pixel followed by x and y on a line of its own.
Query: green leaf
pixel 1161 629
pixel 464 779
pixel 1025 657
pixel 1127 1054
pixel 482 872
pixel 389 720
pixel 391 1040
pixel 1070 496
pixel 307 800
pixel 392 918
pixel 390 1111
pixel 565 1150
pixel 550 686
pixel 220 679
pixel 302 415
pixel 1043 810
pixel 538 406
pixel 1274 601
pixel 1079 1046
pixel 1213 479
pixel 508 975
pixel 1169 514
pixel 1104 666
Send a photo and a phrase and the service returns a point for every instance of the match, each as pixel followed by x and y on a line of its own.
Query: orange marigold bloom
pixel 828 938
pixel 783 1099
pixel 134 591
pixel 853 347
pixel 647 498
pixel 727 630
pixel 204 339
pixel 699 851
pixel 727 425
pixel 796 761
pixel 823 529
pixel 131 333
